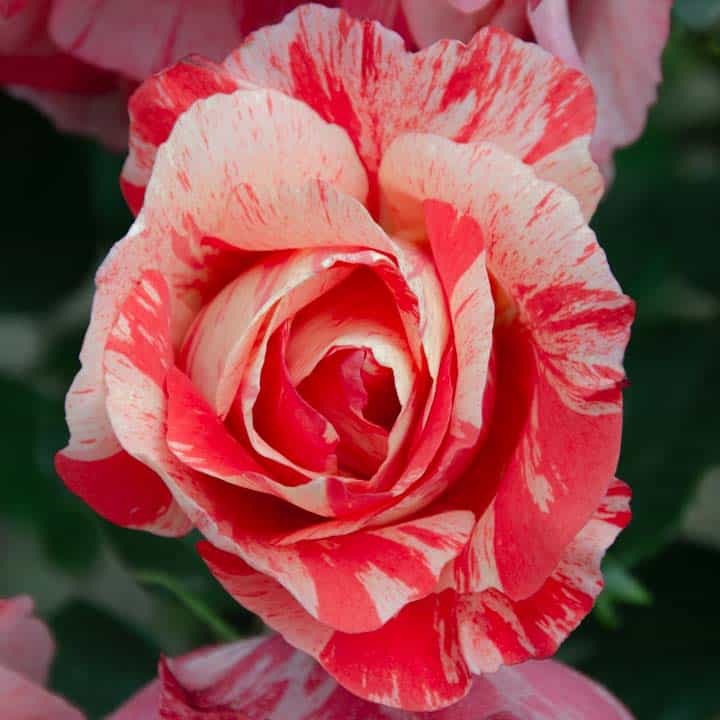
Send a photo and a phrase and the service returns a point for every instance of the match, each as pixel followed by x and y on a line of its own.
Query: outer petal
pixel 562 319
pixel 395 665
pixel 266 678
pixel 118 484
pixel 495 630
pixel 498 88
pixel 254 139
pixel 355 583
pixel 624 74
pixel 155 107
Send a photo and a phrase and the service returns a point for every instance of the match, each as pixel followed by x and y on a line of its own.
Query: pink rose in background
pixel 361 336
pixel 265 678
pixel 78 60
pixel 26 650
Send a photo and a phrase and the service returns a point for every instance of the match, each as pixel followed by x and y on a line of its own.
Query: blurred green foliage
pixel 116 598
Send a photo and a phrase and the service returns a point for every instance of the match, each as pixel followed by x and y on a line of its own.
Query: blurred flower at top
pixel 615 42
pixel 26 649
pixel 266 678
pixel 78 60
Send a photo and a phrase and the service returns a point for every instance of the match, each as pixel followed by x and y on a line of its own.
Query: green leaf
pixel 621 588
pixel 101 660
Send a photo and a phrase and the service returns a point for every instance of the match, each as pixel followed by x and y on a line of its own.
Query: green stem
pixel 222 630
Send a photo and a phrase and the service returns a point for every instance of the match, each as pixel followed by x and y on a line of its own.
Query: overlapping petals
pixel 267 678
pixel 589 35
pixel 361 336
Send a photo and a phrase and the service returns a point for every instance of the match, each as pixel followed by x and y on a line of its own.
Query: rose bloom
pixel 26 649
pixel 361 336
pixel 77 60
pixel 267 679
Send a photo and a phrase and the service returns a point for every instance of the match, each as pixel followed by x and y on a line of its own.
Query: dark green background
pixel 116 598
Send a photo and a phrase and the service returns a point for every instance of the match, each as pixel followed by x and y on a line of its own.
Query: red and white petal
pixel 154 109
pixel 306 436
pixel 266 597
pixel 394 665
pixel 357 582
pixel 539 250
pixel 227 148
pixel 266 676
pixel 138 354
pixel 495 630
pixel 95 465
pixel 216 359
pixel 551 465
pixel 192 264
pixel 496 88
pixel 563 320
pixel 624 75
pixel 199 439
pixel 458 246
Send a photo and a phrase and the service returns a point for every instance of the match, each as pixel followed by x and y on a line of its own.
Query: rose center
pixel 357 396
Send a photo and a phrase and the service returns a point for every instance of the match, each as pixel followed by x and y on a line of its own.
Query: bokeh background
pixel 116 598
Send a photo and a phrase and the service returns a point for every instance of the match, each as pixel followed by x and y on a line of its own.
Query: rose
pixel 266 678
pixel 26 649
pixel 71 57
pixel 376 363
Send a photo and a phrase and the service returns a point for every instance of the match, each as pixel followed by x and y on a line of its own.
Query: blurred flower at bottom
pixel 26 650
pixel 267 678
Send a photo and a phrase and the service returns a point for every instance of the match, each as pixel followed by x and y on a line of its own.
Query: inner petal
pixel 337 389
pixel 359 312
pixel 312 440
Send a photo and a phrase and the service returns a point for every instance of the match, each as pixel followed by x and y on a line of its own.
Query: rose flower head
pixel 361 336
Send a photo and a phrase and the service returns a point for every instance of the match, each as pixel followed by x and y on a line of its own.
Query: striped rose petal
pixel 495 89
pixel 380 370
